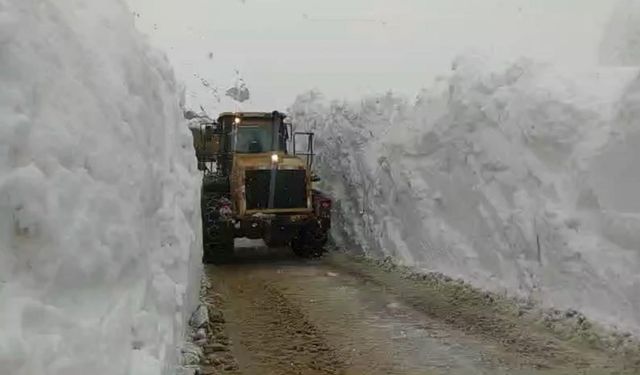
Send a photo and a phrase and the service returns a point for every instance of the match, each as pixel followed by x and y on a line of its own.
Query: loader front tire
pixel 217 236
pixel 310 241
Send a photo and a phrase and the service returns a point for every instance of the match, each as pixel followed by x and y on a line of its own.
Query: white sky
pixel 348 48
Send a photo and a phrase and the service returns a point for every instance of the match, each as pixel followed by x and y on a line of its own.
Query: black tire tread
pixel 217 236
pixel 310 242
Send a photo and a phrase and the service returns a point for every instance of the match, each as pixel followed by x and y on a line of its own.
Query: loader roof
pixel 251 114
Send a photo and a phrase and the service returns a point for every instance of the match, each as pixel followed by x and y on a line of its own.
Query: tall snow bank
pixel 98 189
pixel 621 42
pixel 517 178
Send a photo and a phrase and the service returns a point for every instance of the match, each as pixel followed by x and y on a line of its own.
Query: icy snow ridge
pixel 98 182
pixel 515 177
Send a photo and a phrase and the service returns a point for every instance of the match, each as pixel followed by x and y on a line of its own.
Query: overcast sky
pixel 348 48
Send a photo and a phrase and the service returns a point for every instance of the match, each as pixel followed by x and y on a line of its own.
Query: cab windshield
pixel 254 139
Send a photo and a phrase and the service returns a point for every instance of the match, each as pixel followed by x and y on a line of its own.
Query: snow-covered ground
pixel 517 177
pixel 99 228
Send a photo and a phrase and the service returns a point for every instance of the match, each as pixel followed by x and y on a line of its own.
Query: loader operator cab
pixel 254 133
pixel 252 139
pixel 249 133
pixel 254 136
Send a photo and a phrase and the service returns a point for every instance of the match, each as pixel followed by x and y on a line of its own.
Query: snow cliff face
pixel 621 42
pixel 99 223
pixel 515 177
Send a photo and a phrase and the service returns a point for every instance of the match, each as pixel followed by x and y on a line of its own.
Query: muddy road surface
pixel 277 314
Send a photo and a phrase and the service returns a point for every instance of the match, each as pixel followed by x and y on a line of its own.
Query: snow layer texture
pixel 516 177
pixel 98 183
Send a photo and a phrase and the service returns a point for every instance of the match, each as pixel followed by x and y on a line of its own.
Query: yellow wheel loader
pixel 258 183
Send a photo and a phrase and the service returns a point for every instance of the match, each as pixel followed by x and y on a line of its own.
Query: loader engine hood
pixel 255 192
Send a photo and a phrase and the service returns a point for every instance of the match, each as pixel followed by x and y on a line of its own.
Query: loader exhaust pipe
pixel 275 129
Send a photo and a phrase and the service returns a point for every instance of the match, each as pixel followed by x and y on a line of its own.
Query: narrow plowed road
pixel 283 315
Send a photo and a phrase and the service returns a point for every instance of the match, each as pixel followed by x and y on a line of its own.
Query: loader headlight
pixel 274 158
pixel 237 120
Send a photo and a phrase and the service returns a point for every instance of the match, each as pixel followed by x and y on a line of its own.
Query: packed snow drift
pixel 516 177
pixel 99 244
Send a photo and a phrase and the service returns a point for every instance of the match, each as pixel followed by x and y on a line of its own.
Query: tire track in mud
pixel 343 316
pixel 471 317
pixel 273 336
pixel 217 357
pixel 487 316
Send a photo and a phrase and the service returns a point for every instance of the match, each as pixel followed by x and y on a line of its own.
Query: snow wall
pixel 517 177
pixel 99 223
pixel 621 42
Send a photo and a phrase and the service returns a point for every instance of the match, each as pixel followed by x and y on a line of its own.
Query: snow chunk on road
pixel 99 226
pixel 516 177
